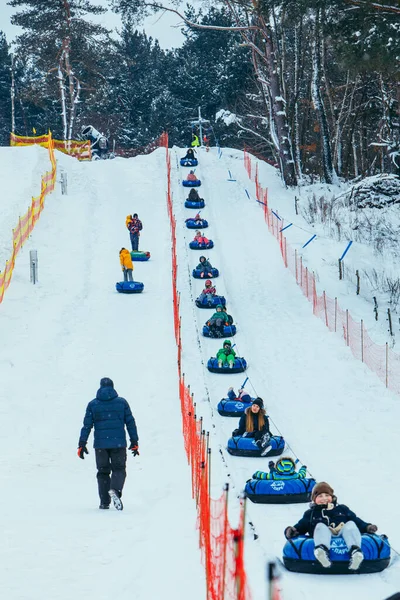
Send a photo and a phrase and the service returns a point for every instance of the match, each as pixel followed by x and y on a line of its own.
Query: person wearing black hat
pixel 109 414
pixel 327 518
pixel 135 227
pixel 255 423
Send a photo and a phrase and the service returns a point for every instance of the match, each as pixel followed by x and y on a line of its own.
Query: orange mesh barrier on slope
pixel 380 359
pixel 27 222
pixel 79 149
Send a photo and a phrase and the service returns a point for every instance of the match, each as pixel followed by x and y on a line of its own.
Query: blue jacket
pixel 333 514
pixel 108 414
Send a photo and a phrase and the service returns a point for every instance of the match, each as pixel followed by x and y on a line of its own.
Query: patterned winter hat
pixel 285 465
pixel 106 382
pixel 321 488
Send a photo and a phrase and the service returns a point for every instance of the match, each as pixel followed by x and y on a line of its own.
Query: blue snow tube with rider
pixel 199 224
pixel 195 203
pixel 210 301
pixel 246 446
pixel 279 491
pixel 138 255
pixel 189 162
pixel 232 408
pixel 129 287
pixel 191 183
pixel 298 555
pixel 229 331
pixel 194 245
pixel 239 366
pixel 197 273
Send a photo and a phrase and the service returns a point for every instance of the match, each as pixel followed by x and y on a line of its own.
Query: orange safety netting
pixel 378 357
pixel 27 222
pixel 79 149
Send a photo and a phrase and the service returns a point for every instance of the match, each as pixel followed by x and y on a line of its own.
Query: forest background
pixel 311 85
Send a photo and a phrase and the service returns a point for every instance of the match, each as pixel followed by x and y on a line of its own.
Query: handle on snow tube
pixel 244 382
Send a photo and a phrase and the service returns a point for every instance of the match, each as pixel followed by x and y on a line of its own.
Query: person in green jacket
pixel 218 321
pixel 195 141
pixel 226 355
pixel 285 468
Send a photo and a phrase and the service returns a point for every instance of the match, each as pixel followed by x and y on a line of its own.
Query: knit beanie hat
pixel 106 382
pixel 259 402
pixel 321 488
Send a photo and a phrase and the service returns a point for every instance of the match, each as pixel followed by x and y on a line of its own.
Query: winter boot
pixel 321 553
pixel 220 364
pixel 265 445
pixel 356 558
pixel 104 506
pixel 115 497
pixel 231 364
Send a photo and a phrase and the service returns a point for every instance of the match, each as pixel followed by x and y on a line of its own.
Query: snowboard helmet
pixel 285 466
pixel 208 283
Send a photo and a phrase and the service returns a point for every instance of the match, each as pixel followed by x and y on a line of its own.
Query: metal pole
pixel 387 365
pixel 362 341
pixel 200 129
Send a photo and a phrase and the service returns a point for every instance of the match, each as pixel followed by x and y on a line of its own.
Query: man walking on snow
pixel 109 415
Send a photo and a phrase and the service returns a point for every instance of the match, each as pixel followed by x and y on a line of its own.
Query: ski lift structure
pixel 202 125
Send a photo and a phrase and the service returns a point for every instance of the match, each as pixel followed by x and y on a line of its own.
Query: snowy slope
pixel 58 339
pixel 334 413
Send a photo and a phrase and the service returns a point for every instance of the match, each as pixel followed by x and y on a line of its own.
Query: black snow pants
pixel 110 461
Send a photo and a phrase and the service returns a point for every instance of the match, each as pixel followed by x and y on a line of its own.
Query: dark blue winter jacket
pixel 108 414
pixel 339 513
pixel 256 432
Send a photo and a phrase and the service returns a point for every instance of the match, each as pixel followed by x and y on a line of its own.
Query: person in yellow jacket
pixel 195 141
pixel 126 264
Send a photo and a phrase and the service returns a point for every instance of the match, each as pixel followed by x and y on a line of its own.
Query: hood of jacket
pixel 106 393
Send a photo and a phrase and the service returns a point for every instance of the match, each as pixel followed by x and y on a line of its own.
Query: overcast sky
pixel 164 27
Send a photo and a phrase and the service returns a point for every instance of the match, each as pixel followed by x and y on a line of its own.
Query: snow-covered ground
pixel 60 336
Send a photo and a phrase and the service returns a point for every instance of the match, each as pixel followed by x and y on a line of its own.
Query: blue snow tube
pixel 138 255
pixel 195 203
pixel 189 162
pixel 239 366
pixel 199 224
pixel 212 302
pixel 232 408
pixel 196 274
pixel 195 183
pixel 279 491
pixel 229 331
pixel 246 446
pixel 298 555
pixel 129 287
pixel 193 245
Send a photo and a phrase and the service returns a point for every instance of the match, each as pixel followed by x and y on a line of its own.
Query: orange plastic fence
pixel 222 547
pixel 381 359
pixel 79 149
pixel 27 222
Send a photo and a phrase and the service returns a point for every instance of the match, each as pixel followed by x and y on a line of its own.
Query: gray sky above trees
pixel 164 27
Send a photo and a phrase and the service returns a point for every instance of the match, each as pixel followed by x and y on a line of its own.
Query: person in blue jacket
pixel 327 518
pixel 109 414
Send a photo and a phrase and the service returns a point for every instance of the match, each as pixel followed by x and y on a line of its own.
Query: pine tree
pixel 5 91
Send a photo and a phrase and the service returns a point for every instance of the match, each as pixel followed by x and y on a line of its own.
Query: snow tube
pixel 193 245
pixel 229 331
pixel 298 555
pixel 195 183
pixel 199 224
pixel 279 491
pixel 239 366
pixel 189 162
pixel 129 287
pixel 232 408
pixel 246 446
pixel 139 255
pixel 195 203
pixel 214 301
pixel 196 274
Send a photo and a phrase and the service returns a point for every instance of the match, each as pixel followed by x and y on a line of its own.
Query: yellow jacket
pixel 125 259
pixel 128 220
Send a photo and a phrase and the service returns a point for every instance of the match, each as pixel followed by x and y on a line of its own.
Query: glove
pixel 82 450
pixel 271 464
pixel 135 448
pixel 235 432
pixel 291 532
pixel 372 528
